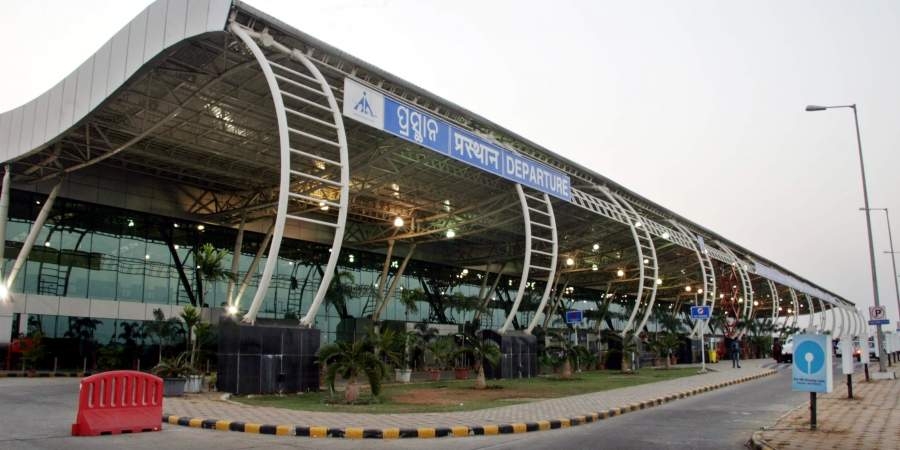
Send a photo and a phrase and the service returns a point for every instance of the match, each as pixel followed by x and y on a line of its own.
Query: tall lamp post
pixel 862 170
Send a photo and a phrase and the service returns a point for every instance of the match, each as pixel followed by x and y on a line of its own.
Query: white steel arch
pixel 312 84
pixel 706 271
pixel 795 302
pixel 646 257
pixel 538 232
pixel 746 287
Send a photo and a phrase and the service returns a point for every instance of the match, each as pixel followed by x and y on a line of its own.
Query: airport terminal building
pixel 339 194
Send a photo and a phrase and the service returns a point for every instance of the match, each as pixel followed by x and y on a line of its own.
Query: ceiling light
pixel 201 227
pixel 594 267
pixel 323 206
pixel 451 234
pixel 46 243
pixel 755 303
pixel 637 224
pixel 130 223
pixel 398 222
pixel 4 292
pixel 699 291
pixel 646 261
pixel 687 289
pixel 665 235
pixel 570 262
pixel 596 247
pixel 232 310
pixel 147 256
pixel 620 273
pixel 351 258
pixel 658 281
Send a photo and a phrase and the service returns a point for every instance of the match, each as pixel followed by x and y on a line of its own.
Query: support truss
pixel 540 249
pixel 706 271
pixel 314 168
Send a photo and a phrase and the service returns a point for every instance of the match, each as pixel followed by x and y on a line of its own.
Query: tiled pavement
pixel 211 407
pixel 871 420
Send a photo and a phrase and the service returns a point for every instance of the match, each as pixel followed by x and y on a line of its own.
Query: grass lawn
pixel 443 396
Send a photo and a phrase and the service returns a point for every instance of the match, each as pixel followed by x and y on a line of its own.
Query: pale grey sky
pixel 697 105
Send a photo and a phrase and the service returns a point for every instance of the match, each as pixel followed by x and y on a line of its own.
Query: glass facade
pixel 99 252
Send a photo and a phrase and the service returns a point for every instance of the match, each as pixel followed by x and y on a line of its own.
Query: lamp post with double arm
pixel 862 169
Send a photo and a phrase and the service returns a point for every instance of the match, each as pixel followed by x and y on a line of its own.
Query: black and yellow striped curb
pixel 438 432
pixel 44 374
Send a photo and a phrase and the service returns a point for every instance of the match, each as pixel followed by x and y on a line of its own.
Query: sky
pixel 696 105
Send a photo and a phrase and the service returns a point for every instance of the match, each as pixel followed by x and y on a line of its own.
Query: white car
pixel 787 350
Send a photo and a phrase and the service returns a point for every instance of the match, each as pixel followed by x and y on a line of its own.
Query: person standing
pixel 735 354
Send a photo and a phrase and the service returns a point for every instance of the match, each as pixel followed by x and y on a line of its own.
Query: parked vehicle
pixel 787 350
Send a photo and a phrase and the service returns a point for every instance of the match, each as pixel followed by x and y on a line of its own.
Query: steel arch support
pixel 285 150
pixel 707 271
pixel 646 259
pixel 746 287
pixel 776 301
pixel 810 325
pixel 795 302
pixel 530 252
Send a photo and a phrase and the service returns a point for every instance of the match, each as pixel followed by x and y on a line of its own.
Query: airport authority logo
pixel 364 104
pixel 363 107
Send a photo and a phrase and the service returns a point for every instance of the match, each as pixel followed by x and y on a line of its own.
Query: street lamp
pixel 862 170
pixel 887 216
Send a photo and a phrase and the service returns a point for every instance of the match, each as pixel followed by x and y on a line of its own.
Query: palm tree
pixel 664 344
pixel 566 349
pixel 191 318
pixel 350 360
pixel 210 268
pixel 338 291
pixel 481 350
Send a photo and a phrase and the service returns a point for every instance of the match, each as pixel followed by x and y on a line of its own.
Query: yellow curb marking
pixel 490 430
pixel 353 433
pixel 284 430
pixel 518 428
pixel 251 428
pixel 195 423
pixel 543 425
pixel 318 432
pixel 426 433
pixel 223 425
pixel 173 420
pixel 460 431
pixel 390 433
pixel 565 423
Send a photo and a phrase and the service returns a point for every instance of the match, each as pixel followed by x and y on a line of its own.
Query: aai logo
pixel 364 104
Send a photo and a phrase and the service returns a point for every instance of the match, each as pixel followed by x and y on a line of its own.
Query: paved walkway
pixel 566 411
pixel 871 420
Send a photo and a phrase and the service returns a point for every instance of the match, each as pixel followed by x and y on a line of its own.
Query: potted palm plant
pixel 350 360
pixel 191 318
pixel 174 373
pixel 664 345
pixel 442 351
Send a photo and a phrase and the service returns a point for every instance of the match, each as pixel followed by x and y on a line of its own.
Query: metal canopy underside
pixel 200 115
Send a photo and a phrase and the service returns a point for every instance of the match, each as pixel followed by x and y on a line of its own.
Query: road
pixel 37 414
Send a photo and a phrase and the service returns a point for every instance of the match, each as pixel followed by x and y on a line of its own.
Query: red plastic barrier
pixel 121 401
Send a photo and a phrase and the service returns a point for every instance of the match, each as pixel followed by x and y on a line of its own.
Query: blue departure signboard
pixel 384 112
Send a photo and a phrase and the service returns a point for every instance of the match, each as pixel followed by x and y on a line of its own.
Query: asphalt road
pixel 37 414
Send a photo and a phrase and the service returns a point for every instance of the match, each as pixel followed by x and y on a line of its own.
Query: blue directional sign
pixel 574 316
pixel 812 370
pixel 384 112
pixel 880 322
pixel 700 312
